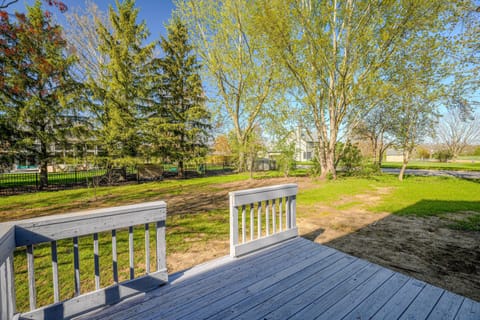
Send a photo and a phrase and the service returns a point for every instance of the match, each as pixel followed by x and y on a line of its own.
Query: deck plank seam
pixel 312 284
pixel 227 271
pixel 214 272
pixel 368 294
pixel 257 292
pixel 271 272
pixel 386 301
pixel 333 288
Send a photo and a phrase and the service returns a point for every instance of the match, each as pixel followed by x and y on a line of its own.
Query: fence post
pixel 75 175
pixel 36 180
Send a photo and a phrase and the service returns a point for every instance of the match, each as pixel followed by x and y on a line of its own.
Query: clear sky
pixel 155 12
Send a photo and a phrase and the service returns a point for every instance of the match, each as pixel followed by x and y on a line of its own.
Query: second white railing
pixel 261 217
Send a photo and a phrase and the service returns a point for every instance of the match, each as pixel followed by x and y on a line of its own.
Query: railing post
pixel 161 246
pixel 233 226
pixel 7 280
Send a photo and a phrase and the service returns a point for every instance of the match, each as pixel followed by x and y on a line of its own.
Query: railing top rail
pixel 42 229
pixel 242 197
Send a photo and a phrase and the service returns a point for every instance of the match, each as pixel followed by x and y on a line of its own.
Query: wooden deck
pixel 296 279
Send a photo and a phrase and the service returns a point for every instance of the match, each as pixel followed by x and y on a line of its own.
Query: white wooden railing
pixel 32 232
pixel 261 217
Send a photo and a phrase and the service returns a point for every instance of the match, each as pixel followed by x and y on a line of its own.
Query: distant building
pixel 393 155
pixel 304 146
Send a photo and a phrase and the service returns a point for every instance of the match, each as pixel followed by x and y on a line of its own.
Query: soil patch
pixel 423 248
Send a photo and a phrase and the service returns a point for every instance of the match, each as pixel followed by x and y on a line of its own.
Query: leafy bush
pixel 443 155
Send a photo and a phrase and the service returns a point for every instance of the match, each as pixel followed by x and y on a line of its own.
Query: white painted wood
pixel 50 229
pixel 244 248
pixel 252 223
pixel 96 261
pixel 131 258
pixel 244 229
pixel 233 226
pixel 7 240
pixel 114 256
pixel 56 294
pixel 3 291
pixel 58 227
pixel 280 213
pixel 266 196
pixel 31 277
pixel 147 248
pixel 259 219
pixel 274 217
pixel 161 246
pixel 261 194
pixel 7 288
pixel 76 266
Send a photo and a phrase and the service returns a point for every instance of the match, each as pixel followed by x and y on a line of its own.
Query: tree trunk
pixel 181 169
pixel 241 161
pixel 327 163
pixel 406 156
pixel 43 167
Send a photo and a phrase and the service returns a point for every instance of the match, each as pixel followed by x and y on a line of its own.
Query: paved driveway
pixel 440 173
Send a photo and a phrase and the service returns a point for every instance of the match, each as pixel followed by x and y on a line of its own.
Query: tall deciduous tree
pixel 122 91
pixel 457 130
pixel 179 125
pixel 234 55
pixel 335 49
pixel 35 83
pixel 83 40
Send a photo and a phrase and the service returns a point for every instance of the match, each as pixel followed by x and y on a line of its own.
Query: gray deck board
pixel 469 310
pixel 424 303
pixel 296 279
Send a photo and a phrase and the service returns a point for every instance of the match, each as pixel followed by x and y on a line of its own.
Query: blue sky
pixel 155 12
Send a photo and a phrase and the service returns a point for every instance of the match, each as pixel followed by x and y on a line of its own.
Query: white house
pixel 304 146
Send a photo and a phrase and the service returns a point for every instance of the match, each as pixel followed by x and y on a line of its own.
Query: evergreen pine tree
pixel 180 124
pixel 36 89
pixel 121 92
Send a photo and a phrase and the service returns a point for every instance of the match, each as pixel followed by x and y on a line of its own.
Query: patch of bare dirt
pixel 424 248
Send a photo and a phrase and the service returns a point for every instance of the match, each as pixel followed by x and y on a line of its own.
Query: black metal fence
pixel 24 182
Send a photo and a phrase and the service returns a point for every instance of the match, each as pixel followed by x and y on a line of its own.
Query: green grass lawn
pixel 435 165
pixel 415 196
